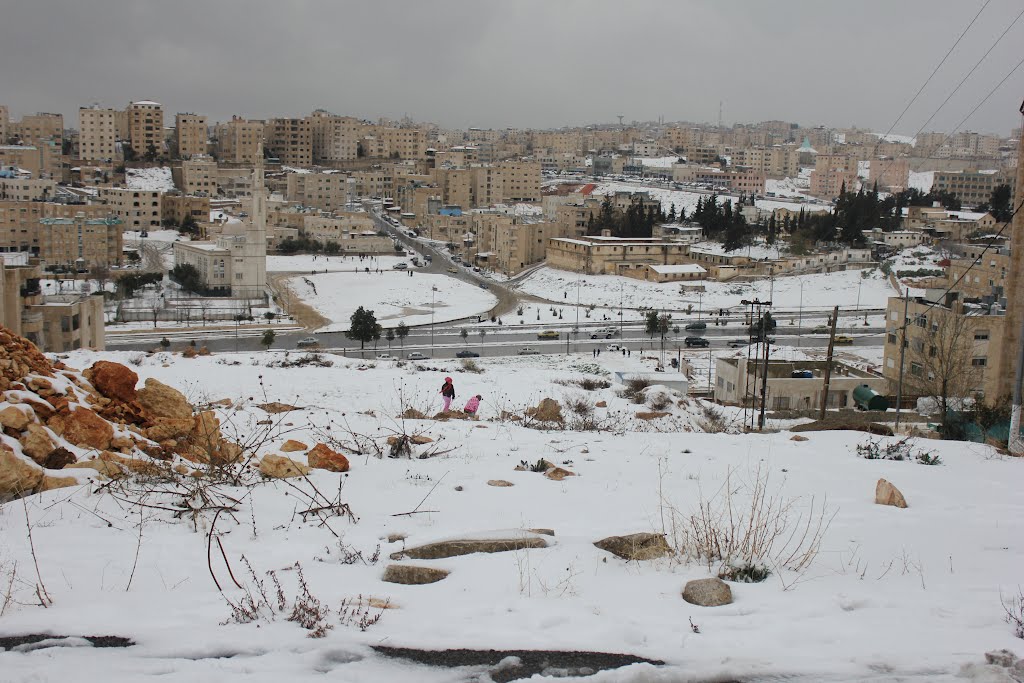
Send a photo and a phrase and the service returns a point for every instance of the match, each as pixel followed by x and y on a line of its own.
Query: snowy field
pixel 688 200
pixel 819 291
pixel 922 180
pixel 392 295
pixel 305 263
pixel 890 595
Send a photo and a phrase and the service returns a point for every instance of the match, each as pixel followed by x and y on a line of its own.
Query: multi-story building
pixel 138 209
pixel 973 187
pixel 978 272
pixel 175 207
pixel 508 245
pixel 335 138
pixel 238 140
pixel 190 134
pixel 291 141
pixel 891 175
pixel 325 191
pixel 747 181
pixel 146 128
pixel 36 128
pixel 97 134
pixel 5 124
pixel 27 189
pixel 833 172
pixel 606 255
pixel 40 159
pixel 19 226
pixel 520 181
pixel 80 243
pixel 197 176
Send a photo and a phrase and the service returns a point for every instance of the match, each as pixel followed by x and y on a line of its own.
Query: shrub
pixel 659 401
pixel 470 365
pixel 634 390
pixel 874 449
pixel 744 573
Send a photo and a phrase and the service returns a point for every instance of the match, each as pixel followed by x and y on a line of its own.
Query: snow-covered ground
pixel 818 290
pixel 891 594
pixel 659 162
pixel 787 187
pixel 922 180
pixel 155 178
pixel 392 295
pixel 688 200
pixel 305 263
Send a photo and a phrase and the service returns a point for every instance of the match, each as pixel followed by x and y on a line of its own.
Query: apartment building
pixel 19 226
pixel 146 128
pixel 198 175
pixel 831 173
pixel 739 381
pixel 974 187
pixel 80 242
pixel 978 272
pixel 175 207
pixel 335 138
pixel 404 143
pixel 291 141
pixel 40 159
pixel 324 191
pixel 5 124
pixel 97 135
pixel 138 209
pixel 27 189
pixel 606 255
pixel 773 162
pixel 191 135
pixel 353 232
pixel 372 183
pixel 238 140
pixel 36 128
pixel 508 245
pixel 747 181
pixel 891 175
pixel 557 143
pixel 520 181
pixel 948 336
pixel 456 186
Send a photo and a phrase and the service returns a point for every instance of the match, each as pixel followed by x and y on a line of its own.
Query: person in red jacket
pixel 447 393
pixel 472 405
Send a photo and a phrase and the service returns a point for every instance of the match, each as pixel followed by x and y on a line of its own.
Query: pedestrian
pixel 447 393
pixel 623 352
pixel 599 353
pixel 629 352
pixel 472 405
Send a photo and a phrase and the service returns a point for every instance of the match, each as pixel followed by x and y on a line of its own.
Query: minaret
pixel 1014 293
pixel 254 269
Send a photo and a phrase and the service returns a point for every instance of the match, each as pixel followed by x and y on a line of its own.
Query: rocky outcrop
pixel 411 575
pixel 323 458
pixel 280 467
pixel 159 400
pixel 113 380
pixel 443 549
pixel 18 476
pixel 887 494
pixel 640 546
pixel 548 410
pixel 707 592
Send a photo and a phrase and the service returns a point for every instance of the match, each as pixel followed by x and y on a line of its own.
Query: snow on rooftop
pixel 659 162
pixel 157 178
pixel 922 180
pixel 680 268
pixel 892 137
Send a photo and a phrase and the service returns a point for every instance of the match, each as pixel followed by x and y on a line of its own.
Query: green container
pixel 867 398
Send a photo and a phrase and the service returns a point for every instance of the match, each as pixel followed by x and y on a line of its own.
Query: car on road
pixel 308 342
pixel 614 347
pixel 696 341
pixel 843 339
pixel 604 333
pixel 696 326
pixel 549 334
pixel 416 355
pixel 452 270
pixel 738 343
pixel 822 329
pixel 466 353
pixel 484 285
pixel 527 351
pixel 385 356
pixel 401 266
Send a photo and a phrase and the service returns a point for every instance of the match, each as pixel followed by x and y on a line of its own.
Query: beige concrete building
pixel 97 135
pixel 1014 293
pixel 138 209
pixel 291 141
pixel 831 173
pixel 238 140
pixel 605 255
pixel 27 189
pixel 198 175
pixel 146 128
pixel 176 207
pixel 5 124
pixel 892 175
pixel 978 272
pixel 738 382
pixel 324 191
pixel 80 242
pixel 353 232
pixel 191 135
pixel 37 128
pixel 335 138
pixel 508 245
pixel 40 160
pixel 973 187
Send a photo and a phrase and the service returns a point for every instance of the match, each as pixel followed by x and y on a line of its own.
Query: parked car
pixel 738 343
pixel 604 333
pixel 614 347
pixel 821 329
pixel 484 285
pixel 385 356
pixel 452 270
pixel 548 334
pixel 466 353
pixel 416 355
pixel 401 266
pixel 308 342
pixel 843 339
pixel 696 341
pixel 802 374
pixel 696 326
pixel 528 351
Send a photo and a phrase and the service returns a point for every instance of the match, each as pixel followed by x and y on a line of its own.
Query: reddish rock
pixel 84 428
pixel 323 458
pixel 15 418
pixel 113 380
pixel 44 411
pixel 59 458
pixel 36 443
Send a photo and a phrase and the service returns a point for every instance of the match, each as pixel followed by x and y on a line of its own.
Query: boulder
pixel 274 407
pixel 18 475
pixel 49 483
pixel 43 410
pixel 58 459
pixel 291 446
pixel 420 439
pixel 104 467
pixel 651 414
pixel 640 546
pixel 82 427
pixel 797 437
pixel 548 410
pixel 206 431
pixel 411 575
pixel 280 467
pixel 443 549
pixel 413 414
pixel 601 404
pixel 323 458
pixel 164 428
pixel 36 443
pixel 16 418
pixel 159 400
pixel 887 494
pixel 558 473
pixel 113 380
pixel 707 592
pixel 500 483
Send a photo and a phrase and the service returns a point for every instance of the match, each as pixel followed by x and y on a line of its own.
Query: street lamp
pixel 800 316
pixel 433 289
pixel 577 328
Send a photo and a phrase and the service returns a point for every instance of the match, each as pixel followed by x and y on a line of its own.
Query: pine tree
pixel 671 218
pixel 402 331
pixel 362 327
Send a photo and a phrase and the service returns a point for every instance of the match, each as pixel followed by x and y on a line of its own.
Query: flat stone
pixel 640 546
pixel 797 437
pixel 887 494
pixel 443 549
pixel 707 592
pixel 411 575
pixel 501 483
pixel 558 473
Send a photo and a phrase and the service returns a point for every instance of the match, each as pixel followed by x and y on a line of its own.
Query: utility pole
pixel 828 363
pixel 764 382
pixel 1015 443
pixel 903 352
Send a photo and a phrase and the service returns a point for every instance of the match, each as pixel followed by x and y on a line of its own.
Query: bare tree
pixel 101 273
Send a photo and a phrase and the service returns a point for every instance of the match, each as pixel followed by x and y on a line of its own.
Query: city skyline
pixel 461 64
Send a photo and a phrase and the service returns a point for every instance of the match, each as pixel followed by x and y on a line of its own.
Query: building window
pixel 979 362
pixel 981 335
pixel 916 369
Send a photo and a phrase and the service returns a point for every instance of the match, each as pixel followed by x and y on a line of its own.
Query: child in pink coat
pixel 472 405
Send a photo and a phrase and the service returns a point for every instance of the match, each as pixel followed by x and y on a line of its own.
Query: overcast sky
pixel 521 63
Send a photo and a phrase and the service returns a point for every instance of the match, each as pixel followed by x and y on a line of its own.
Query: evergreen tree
pixel 671 218
pixel 402 331
pixel 999 203
pixel 267 340
pixel 390 336
pixel 772 230
pixel 363 327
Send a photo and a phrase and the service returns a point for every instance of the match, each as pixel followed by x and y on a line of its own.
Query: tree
pixel 463 333
pixel 651 323
pixel 402 331
pixel 187 275
pixel 267 340
pixel 362 327
pixel 189 226
pixel 999 204
pixel 390 336
pixel 483 333
pixel 165 343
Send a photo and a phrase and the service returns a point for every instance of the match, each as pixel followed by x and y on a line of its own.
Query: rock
pixel 395 538
pixel 58 459
pixel 640 546
pixel 18 475
pixel 797 437
pixel 36 443
pixel 82 427
pixel 887 494
pixel 413 414
pixel 558 473
pixel 138 465
pixel 164 428
pixel 411 575
pixel 707 592
pixel 548 410
pixel 500 483
pixel 651 415
pixel 323 458
pixel 205 434
pixel 458 488
pixel 280 467
pixel 420 439
pixel 1003 658
pixel 543 532
pixel 601 404
pixel 49 483
pixel 159 400
pixel 16 418
pixel 113 380
pixel 104 467
pixel 274 407
pixel 443 549
pixel 44 411
pixel 122 442
pixel 291 446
